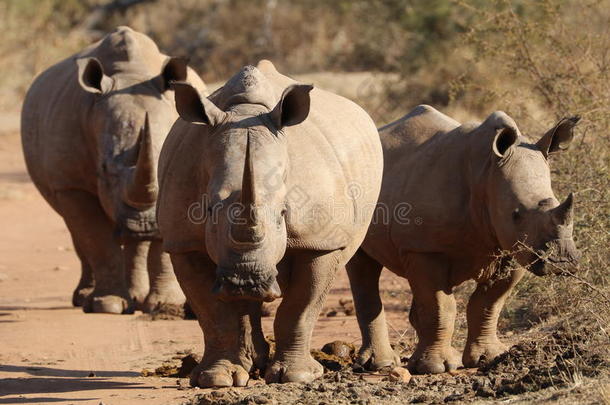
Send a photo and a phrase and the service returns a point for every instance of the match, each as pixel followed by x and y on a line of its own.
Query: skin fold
pixel 267 188
pixel 453 197
pixel 92 129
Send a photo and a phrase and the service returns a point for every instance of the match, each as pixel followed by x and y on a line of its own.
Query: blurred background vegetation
pixel 537 60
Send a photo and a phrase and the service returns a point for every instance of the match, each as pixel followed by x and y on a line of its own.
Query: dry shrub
pixel 541 56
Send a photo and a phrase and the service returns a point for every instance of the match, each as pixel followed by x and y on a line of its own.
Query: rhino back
pixel 426 187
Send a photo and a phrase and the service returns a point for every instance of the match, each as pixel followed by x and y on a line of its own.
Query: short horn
pixel 142 189
pixel 563 212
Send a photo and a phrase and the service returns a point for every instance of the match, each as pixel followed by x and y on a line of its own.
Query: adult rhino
pixel 459 194
pixel 287 177
pixel 92 128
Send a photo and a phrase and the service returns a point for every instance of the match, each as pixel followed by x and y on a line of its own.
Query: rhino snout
pixel 561 255
pixel 239 284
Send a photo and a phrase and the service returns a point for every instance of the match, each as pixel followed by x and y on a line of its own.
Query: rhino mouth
pixel 246 281
pixel 134 224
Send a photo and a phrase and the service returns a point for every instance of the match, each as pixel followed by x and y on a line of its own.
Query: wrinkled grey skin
pixel 284 155
pixel 473 191
pixel 92 129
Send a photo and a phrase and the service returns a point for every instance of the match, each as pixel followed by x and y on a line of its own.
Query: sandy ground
pixel 49 350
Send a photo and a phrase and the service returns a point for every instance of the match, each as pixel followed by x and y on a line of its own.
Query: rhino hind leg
pixel 297 314
pixel 376 352
pixel 433 312
pixel 484 307
pixel 93 233
pixel 234 343
pixel 165 294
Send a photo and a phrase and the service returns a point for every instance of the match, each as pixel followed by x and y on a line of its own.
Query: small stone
pixel 91 374
pixel 339 349
pixel 399 374
pixel 331 313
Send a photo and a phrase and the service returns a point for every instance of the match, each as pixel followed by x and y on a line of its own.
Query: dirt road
pixel 53 353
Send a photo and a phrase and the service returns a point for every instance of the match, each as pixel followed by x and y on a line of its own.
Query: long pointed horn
pixel 563 212
pixel 142 188
pixel 247 187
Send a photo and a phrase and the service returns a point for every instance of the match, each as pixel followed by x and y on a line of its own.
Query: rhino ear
pixel 559 137
pixel 293 107
pixel 506 133
pixel 194 108
pixel 504 142
pixel 175 69
pixel 91 76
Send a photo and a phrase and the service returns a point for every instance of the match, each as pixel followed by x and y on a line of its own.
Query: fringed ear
pixel 559 137
pixel 91 76
pixel 194 108
pixel 293 107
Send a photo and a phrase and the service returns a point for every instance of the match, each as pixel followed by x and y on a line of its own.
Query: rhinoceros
pixel 453 198
pixel 267 188
pixel 92 129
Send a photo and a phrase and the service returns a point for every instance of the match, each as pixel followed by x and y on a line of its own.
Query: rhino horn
pixel 247 187
pixel 563 212
pixel 142 188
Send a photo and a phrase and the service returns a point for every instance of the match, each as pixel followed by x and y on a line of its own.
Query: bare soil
pixel 53 353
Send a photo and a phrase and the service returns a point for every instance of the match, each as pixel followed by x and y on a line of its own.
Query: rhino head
pixel 245 160
pixel 131 113
pixel 525 215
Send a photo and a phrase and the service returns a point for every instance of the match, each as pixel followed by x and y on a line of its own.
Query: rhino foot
pixel 169 302
pixel 475 354
pixel 302 370
pixel 108 304
pixel 434 360
pixel 375 358
pixel 221 373
pixel 138 296
pixel 80 295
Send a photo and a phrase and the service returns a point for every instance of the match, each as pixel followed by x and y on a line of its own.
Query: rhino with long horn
pixel 268 154
pixel 92 128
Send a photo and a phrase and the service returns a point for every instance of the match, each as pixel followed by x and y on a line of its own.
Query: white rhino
pixel 92 129
pixel 287 178
pixel 454 196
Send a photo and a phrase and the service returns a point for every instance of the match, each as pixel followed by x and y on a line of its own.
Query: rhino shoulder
pixel 180 201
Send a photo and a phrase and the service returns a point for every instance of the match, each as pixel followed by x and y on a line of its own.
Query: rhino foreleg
pixel 93 233
pixel 310 278
pixel 432 314
pixel 234 343
pixel 165 291
pixel 483 311
pixel 376 352
pixel 86 283
pixel 135 256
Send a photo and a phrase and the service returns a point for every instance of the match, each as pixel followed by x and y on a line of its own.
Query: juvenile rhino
pixel 472 190
pixel 92 128
pixel 288 177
